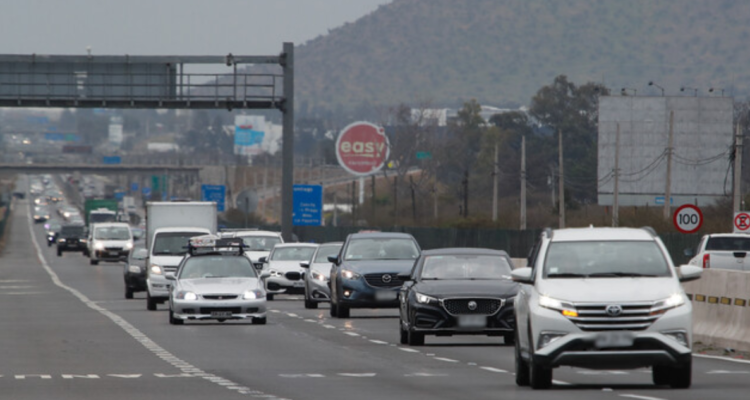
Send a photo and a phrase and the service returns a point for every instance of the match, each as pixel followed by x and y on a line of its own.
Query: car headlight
pixel 134 269
pixel 318 276
pixel 129 245
pixel 253 294
pixel 425 299
pixel 673 301
pixel 83 240
pixel 565 308
pixel 185 295
pixel 99 246
pixel 61 240
pixel 275 273
pixel 156 269
pixel 349 274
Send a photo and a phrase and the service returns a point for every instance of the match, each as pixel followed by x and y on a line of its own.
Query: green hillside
pixel 443 52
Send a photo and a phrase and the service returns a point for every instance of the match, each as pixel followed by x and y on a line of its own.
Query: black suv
pixel 365 274
pixel 72 237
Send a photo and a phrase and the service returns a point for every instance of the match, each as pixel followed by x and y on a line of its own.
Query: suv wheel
pixel 509 339
pixel 539 377
pixel 128 292
pixel 681 377
pixel 269 296
pixel 403 333
pixel 342 311
pixel 310 304
pixel 415 338
pixel 150 303
pixel 334 310
pixel 93 262
pixel 522 368
pixel 59 253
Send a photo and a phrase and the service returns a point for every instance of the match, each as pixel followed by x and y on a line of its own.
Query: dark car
pixel 458 291
pixel 365 274
pixel 135 272
pixel 72 237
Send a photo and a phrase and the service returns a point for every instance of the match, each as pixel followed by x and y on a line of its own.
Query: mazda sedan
pixel 458 291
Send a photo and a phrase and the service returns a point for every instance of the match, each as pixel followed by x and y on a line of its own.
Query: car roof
pixel 381 235
pixel 464 251
pixel 254 233
pixel 283 245
pixel 331 244
pixel 110 224
pixel 601 234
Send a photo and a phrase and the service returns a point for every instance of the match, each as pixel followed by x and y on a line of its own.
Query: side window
pixel 534 253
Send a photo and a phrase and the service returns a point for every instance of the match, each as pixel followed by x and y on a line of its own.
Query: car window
pixel 728 243
pixel 325 251
pixel 604 259
pixel 260 243
pixel 112 233
pixel 217 266
pixel 381 249
pixel 292 254
pixel 463 267
pixel 139 254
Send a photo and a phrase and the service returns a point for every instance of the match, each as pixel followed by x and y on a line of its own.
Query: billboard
pixel 115 131
pixel 249 131
pixel 702 145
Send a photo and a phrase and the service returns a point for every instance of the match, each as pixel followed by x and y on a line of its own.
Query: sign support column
pixel 287 148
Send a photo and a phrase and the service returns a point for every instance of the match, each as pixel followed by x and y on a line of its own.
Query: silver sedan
pixel 317 286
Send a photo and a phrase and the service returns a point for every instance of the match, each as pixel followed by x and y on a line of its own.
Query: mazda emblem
pixel 614 310
pixel 387 278
pixel 472 305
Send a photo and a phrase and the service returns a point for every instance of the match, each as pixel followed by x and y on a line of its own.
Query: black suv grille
pixel 479 307
pixel 383 280
pixel 631 316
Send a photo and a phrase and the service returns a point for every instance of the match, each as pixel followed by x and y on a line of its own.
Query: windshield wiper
pixel 566 275
pixel 621 274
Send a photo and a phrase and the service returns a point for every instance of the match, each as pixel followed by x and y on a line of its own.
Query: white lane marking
pixel 425 374
pixel 446 359
pixel 22 377
pixel 329 327
pixel 430 354
pixel 722 358
pixel 274 311
pixel 408 350
pixel 302 375
pixel 721 371
pixel 364 375
pixel 563 383
pixel 498 370
pixel 311 320
pixel 16 287
pixel 351 333
pixel 118 320
pixel 88 376
pixel 293 315
pixel 13 280
pixel 378 342
pixel 592 372
pixel 635 396
pixel 20 293
pixel 125 376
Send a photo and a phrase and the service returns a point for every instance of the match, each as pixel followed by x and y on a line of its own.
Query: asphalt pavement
pixel 69 333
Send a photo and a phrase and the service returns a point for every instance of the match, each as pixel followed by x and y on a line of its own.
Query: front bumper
pixel 111 255
pixel 65 246
pixel 318 291
pixel 280 284
pixel 362 295
pixel 222 309
pixel 434 319
pixel 158 286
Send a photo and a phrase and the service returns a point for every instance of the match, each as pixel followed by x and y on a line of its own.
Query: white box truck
pixel 169 226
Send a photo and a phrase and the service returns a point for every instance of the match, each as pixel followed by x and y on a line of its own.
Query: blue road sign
pixel 308 205
pixel 119 195
pixel 111 160
pixel 146 191
pixel 134 187
pixel 659 200
pixel 215 193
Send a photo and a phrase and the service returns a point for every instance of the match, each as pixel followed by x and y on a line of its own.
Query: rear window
pixel 728 243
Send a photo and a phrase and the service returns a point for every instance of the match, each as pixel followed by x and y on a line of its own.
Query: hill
pixel 444 52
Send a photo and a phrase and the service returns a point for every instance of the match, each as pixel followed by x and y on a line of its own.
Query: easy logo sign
pixel 362 148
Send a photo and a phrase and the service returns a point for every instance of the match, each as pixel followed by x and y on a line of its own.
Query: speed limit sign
pixel 688 218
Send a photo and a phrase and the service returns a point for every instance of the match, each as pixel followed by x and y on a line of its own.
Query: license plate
pixel 299 284
pixel 114 253
pixel 472 321
pixel 386 295
pixel 614 339
pixel 221 314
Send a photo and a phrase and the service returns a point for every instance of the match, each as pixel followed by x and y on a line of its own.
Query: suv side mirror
pixel 333 259
pixel 405 277
pixel 263 260
pixel 523 275
pixel 170 276
pixel 304 264
pixel 689 273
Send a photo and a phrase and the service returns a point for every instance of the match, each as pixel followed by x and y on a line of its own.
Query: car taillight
pixel 706 260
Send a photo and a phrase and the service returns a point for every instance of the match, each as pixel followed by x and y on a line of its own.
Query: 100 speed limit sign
pixel 688 218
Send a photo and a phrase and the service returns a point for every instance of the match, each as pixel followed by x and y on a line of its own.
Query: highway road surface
pixel 68 333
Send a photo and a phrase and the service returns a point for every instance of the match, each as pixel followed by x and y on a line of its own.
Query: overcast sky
pixel 169 27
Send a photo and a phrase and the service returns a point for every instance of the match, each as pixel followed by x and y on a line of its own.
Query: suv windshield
pixel 292 253
pixel 112 233
pixel 217 266
pixel 260 243
pixel 173 243
pixel 465 267
pixel 325 251
pixel 728 243
pixel 381 249
pixel 72 231
pixel 605 259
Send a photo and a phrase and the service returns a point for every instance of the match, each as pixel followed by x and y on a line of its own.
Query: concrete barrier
pixel 721 308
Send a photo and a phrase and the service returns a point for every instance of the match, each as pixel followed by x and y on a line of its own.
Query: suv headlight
pixel 318 276
pixel 253 294
pixel 134 269
pixel 184 295
pixel 156 269
pixel 274 273
pixel 349 274
pixel 673 301
pixel 425 299
pixel 129 245
pixel 565 308
pixel 99 246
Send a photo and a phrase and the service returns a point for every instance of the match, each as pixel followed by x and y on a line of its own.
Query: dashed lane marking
pixel 446 359
pixel 351 333
pixel 378 342
pixel 329 327
pixel 635 396
pixel 722 358
pixel 362 375
pixel 562 383
pixel 725 372
pixel 408 350
pixel 491 369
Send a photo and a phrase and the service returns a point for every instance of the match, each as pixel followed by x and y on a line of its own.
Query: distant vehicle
pixel 458 291
pixel 215 281
pixel 722 251
pixel 318 273
pixel 41 214
pixel 128 205
pixel 52 229
pixel 258 243
pixel 134 272
pixel 169 226
pixel 109 241
pixel 72 237
pixel 105 210
pixel 366 271
pixel 284 269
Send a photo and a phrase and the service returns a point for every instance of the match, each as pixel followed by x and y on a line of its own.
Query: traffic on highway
pixel 598 312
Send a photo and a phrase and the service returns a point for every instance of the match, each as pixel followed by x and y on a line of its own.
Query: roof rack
pixel 212 244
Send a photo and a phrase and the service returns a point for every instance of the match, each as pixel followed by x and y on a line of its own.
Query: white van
pixel 109 241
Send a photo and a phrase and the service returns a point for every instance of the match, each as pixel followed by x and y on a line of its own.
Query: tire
pixel 522 368
pixel 509 339
pixel 150 303
pixel 342 311
pixel 539 377
pixel 311 305
pixel 681 377
pixel 93 262
pixel 414 338
pixel 59 253
pixel 334 311
pixel 259 321
pixel 128 293
pixel 403 333
pixel 269 296
pixel 660 375
pixel 173 320
pixel 221 319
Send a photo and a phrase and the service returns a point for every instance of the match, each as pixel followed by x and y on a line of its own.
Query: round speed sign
pixel 688 218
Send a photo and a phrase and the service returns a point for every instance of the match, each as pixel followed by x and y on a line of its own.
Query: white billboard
pixel 115 131
pixel 249 132
pixel 702 137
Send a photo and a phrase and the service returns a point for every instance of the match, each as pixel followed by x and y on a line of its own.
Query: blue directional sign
pixel 308 205
pixel 111 160
pixel 659 200
pixel 134 187
pixel 215 193
pixel 146 191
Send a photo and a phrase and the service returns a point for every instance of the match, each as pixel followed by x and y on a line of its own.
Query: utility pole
pixel 435 201
pixel 616 205
pixel 494 185
pixel 523 182
pixel 395 199
pixel 335 208
pixel 737 191
pixel 561 185
pixel 668 189
pixel 466 193
pixel 372 195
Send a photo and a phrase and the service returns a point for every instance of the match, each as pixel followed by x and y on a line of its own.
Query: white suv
pixel 603 298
